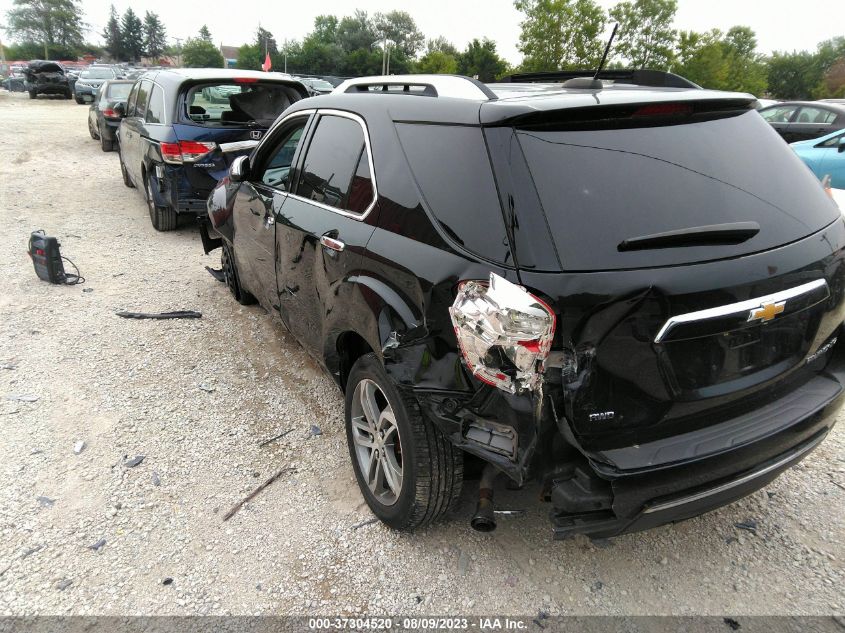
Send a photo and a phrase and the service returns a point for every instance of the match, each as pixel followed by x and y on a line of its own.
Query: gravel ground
pixel 85 533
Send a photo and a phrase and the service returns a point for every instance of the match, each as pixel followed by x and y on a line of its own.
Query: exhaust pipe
pixel 484 519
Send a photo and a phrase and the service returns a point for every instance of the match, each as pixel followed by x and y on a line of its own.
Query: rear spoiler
pixel 643 77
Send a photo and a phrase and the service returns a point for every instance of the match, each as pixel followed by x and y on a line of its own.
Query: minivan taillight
pixel 185 151
pixel 505 333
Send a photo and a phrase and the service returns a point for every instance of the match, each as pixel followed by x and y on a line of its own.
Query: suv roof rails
pixel 455 86
pixel 643 77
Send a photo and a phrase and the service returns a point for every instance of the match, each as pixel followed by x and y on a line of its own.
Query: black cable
pixel 72 279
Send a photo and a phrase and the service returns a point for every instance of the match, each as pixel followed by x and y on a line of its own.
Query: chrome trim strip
pixel 237 146
pixel 742 306
pixel 734 483
pixel 371 206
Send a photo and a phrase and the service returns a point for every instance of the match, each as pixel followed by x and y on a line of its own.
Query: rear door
pixel 325 224
pixel 130 137
pixel 135 130
pixel 811 122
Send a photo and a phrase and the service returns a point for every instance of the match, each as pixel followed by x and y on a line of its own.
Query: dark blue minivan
pixel 181 129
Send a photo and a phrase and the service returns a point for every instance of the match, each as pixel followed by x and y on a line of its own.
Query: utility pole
pixel 178 51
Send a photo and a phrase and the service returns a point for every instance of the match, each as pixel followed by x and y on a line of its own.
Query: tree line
pixel 567 34
pixel 554 35
pixel 360 44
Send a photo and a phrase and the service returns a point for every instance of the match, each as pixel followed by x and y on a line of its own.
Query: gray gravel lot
pixel 196 397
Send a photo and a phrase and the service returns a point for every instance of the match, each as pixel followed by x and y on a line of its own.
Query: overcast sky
pixel 779 25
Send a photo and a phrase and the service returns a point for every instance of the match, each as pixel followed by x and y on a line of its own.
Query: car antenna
pixel 594 83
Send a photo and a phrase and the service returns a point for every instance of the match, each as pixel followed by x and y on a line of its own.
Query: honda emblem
pixel 255 135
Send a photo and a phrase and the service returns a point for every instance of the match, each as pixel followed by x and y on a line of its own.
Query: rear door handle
pixel 332 243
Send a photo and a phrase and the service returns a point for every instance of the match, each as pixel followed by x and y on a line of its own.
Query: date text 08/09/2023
pixel 480 623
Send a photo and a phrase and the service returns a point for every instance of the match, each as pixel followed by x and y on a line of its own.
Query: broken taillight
pixel 185 151
pixel 505 333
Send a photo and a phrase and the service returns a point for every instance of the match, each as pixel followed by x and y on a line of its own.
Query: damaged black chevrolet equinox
pixel 628 291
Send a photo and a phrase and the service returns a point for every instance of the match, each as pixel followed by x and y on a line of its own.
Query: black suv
pixel 181 128
pixel 631 294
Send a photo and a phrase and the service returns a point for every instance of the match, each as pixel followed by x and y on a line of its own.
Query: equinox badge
pixel 766 312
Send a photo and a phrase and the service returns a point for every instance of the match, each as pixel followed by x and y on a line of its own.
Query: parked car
pixel 103 120
pixel 825 156
pixel 802 120
pixel 647 346
pixel 319 86
pixel 46 78
pixel 15 82
pixel 90 80
pixel 176 144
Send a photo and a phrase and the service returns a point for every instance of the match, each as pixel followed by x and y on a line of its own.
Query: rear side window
pixel 453 172
pixel 809 114
pixel 133 97
pixel 155 109
pixel 778 114
pixel 332 173
pixel 601 187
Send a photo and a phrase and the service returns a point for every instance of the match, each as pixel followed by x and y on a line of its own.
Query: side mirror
pixel 239 170
pixel 120 110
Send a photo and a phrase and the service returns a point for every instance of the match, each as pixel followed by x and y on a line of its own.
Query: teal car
pixel 825 156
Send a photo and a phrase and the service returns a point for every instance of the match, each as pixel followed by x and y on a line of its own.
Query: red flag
pixel 267 65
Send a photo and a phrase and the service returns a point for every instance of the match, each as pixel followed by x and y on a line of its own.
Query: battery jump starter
pixel 47 259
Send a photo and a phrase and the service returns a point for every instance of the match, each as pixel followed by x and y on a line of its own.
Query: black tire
pixel 431 467
pixel 126 179
pixel 68 95
pixel 230 275
pixel 106 145
pixel 91 131
pixel 79 100
pixel 32 94
pixel 163 218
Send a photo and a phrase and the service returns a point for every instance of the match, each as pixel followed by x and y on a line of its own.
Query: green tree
pixel 112 36
pixel 481 60
pixel 442 45
pixel 700 58
pixel 793 75
pixel 200 53
pixel 646 37
pixel 746 68
pixel 401 28
pixel 560 34
pixel 356 31
pixel 250 57
pixel 205 34
pixel 155 37
pixel 51 23
pixel 325 29
pixel 266 41
pixel 132 36
pixel 438 62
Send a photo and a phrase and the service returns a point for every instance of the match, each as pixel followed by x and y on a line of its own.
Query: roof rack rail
pixel 454 86
pixel 643 77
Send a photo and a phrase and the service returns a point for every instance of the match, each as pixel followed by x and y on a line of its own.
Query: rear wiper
pixel 713 234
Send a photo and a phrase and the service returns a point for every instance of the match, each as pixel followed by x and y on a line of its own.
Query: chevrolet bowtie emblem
pixel 766 312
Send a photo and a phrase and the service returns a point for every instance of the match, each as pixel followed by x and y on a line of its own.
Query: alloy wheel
pixel 378 447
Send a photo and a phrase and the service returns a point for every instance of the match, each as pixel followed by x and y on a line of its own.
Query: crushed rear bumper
pixel 634 500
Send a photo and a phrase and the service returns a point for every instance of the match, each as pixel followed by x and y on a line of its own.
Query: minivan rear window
pixel 601 187
pixel 227 104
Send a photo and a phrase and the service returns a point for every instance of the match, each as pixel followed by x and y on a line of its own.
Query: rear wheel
pixel 163 218
pixel 68 94
pixel 106 145
pixel 32 94
pixel 123 172
pixel 91 130
pixel 230 274
pixel 407 470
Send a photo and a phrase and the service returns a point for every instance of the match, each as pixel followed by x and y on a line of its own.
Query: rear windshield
pixel 226 104
pixel 119 91
pixel 600 187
